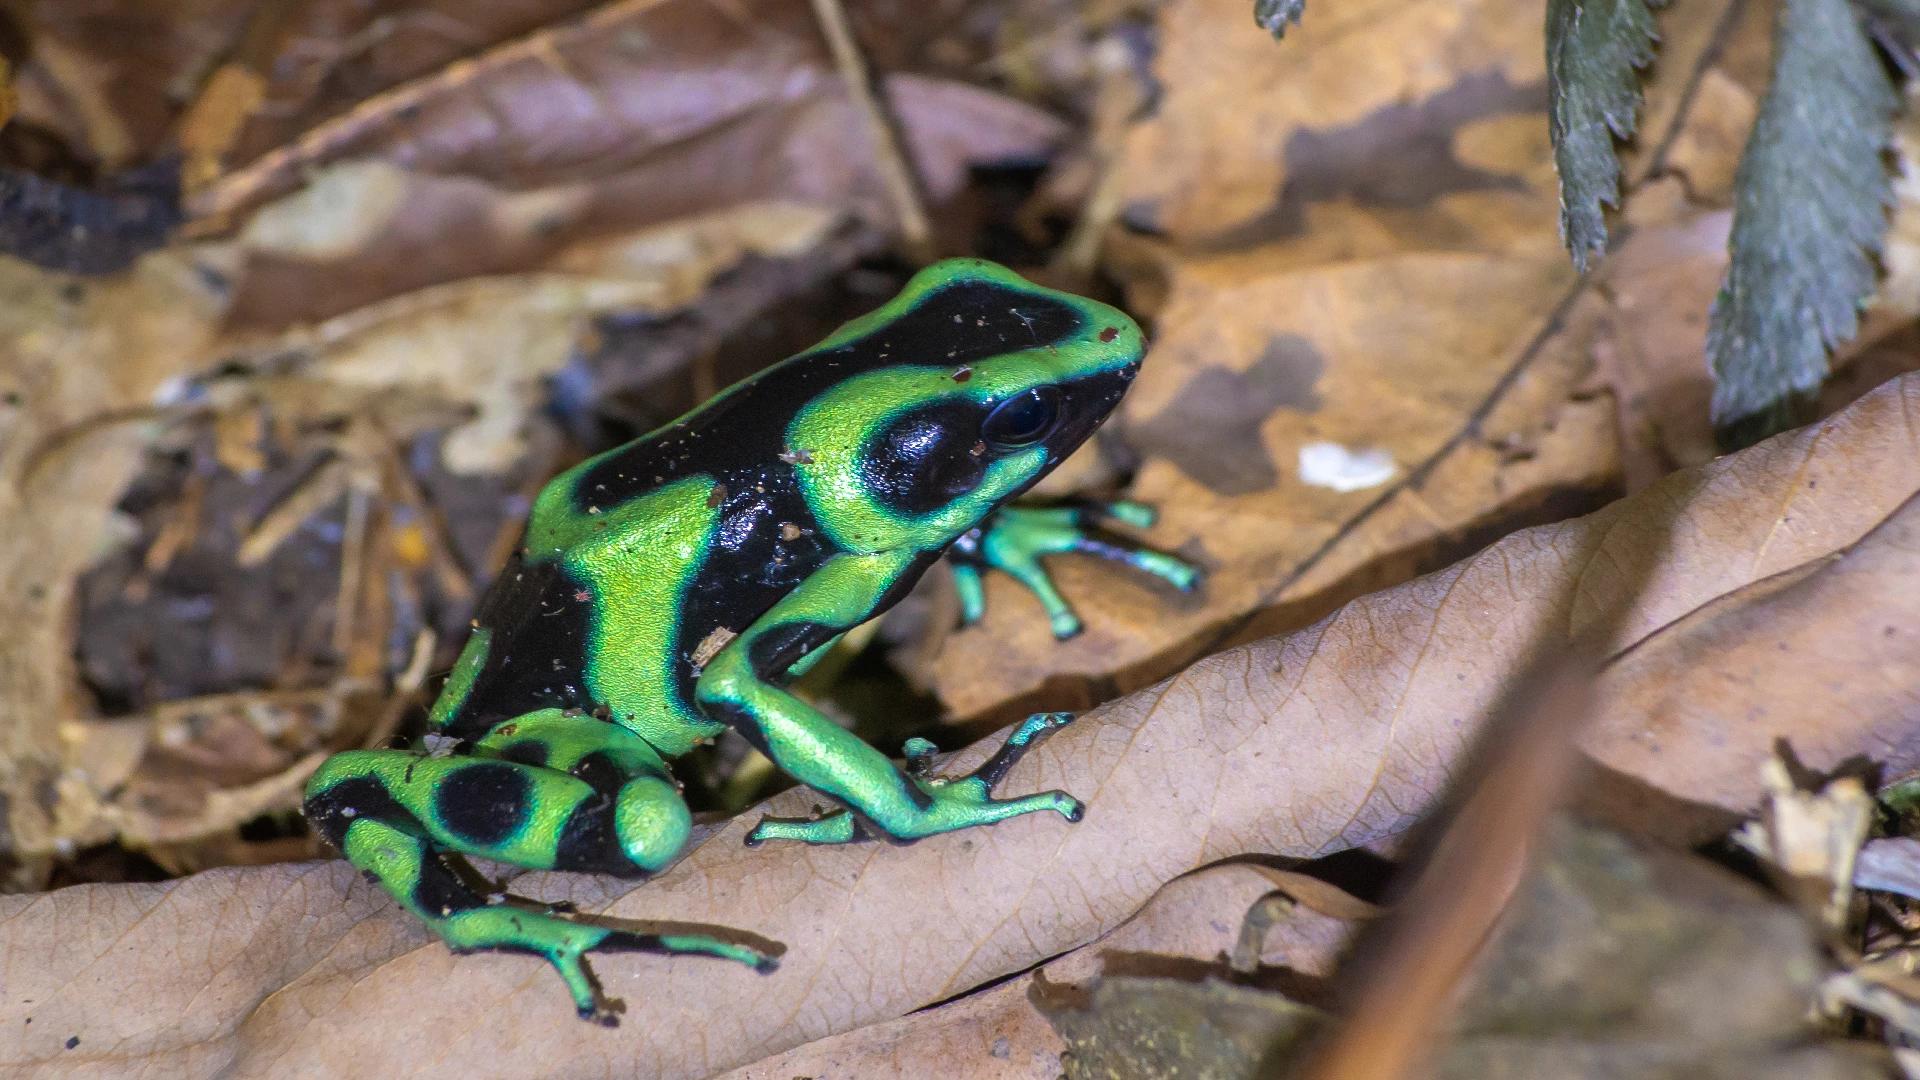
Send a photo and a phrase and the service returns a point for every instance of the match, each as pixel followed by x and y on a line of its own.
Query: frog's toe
pixel 606 1014
pixel 1024 738
pixel 835 828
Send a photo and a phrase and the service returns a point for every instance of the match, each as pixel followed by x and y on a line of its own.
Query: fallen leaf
pixel 636 113
pixel 81 363
pixel 1299 745
pixel 1891 864
pixel 1409 304
pixel 1614 961
pixel 490 342
pixel 1810 839
pixel 998 1034
pixel 1359 248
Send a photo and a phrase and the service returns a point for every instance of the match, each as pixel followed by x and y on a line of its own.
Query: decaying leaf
pixel 1891 864
pixel 1310 742
pixel 636 113
pixel 489 342
pixel 1248 138
pixel 1138 1029
pixel 1811 199
pixel 84 361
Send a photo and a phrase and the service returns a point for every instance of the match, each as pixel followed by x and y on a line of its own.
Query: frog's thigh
pixel 526 815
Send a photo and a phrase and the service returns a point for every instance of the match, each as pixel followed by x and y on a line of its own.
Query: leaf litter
pixel 1300 745
pixel 1289 291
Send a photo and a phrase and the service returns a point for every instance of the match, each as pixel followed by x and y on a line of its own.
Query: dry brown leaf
pixel 81 363
pixel 1298 745
pixel 997 1034
pixel 1360 258
pixel 1409 303
pixel 489 342
pixel 638 112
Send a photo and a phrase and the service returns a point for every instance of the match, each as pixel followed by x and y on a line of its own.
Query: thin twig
pixel 406 687
pixel 1119 100
pixel 896 173
pixel 315 494
pixel 353 558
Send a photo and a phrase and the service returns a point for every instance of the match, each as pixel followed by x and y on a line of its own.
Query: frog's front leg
pixel 546 791
pixel 1016 537
pixel 744 686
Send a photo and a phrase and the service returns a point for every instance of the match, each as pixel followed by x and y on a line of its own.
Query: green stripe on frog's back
pixel 636 559
pixel 459 685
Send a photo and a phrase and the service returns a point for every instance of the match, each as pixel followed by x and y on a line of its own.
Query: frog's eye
pixel 1023 419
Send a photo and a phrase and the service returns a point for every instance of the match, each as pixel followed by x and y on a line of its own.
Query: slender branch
pixel 895 171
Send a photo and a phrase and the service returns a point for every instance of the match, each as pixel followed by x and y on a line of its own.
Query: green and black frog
pixel 672 588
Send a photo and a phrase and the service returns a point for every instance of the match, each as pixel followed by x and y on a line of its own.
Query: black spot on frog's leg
pixel 601 773
pixel 525 752
pixel 333 811
pixel 589 843
pixel 482 803
pixel 438 890
pixel 1211 429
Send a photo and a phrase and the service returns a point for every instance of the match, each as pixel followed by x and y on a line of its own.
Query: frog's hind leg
pixel 396 815
pixel 843 827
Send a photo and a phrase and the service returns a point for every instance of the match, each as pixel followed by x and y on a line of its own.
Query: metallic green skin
pixel 672 588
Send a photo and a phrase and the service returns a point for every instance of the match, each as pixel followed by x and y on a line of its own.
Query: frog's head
pixel 960 393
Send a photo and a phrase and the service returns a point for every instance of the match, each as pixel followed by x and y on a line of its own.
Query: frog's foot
pixel 837 827
pixel 941 804
pixel 564 943
pixel 1015 539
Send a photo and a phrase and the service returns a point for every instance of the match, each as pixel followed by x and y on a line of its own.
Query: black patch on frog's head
pixel 927 456
pixel 483 802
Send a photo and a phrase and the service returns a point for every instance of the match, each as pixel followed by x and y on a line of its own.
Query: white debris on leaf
pixel 1330 465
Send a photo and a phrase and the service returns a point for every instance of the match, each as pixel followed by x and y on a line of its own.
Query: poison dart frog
pixel 671 589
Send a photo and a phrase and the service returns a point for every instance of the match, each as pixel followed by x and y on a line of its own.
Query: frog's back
pixel 639 563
